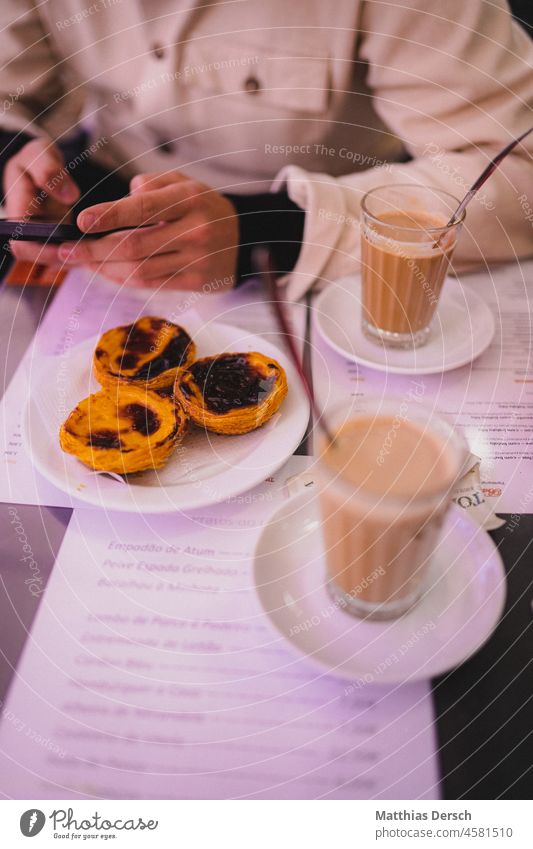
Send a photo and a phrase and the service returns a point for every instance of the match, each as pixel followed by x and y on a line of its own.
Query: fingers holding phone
pixel 169 231
pixel 36 184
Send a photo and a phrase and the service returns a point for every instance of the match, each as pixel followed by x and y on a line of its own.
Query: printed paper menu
pixel 490 400
pixel 152 672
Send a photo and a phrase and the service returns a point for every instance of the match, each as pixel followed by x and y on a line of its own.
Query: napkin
pixel 467 493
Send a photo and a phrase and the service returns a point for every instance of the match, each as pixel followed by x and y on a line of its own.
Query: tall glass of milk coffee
pixel 406 249
pixel 385 482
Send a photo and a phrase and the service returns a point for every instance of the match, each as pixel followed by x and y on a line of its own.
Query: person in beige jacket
pixel 233 122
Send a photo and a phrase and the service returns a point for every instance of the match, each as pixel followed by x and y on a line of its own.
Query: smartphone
pixel 50 232
pixel 33 230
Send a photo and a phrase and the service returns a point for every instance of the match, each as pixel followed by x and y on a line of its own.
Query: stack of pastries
pixel 153 385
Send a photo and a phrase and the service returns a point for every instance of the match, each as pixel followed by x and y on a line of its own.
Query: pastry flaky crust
pixel 123 429
pixel 232 393
pixel 149 352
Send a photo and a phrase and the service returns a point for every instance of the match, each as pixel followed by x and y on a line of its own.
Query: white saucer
pixel 207 468
pixel 454 618
pixel 463 328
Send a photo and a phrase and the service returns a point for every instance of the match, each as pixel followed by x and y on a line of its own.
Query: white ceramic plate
pixel 454 618
pixel 462 329
pixel 205 469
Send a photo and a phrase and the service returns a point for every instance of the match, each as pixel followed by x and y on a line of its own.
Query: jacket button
pixel 158 50
pixel 252 85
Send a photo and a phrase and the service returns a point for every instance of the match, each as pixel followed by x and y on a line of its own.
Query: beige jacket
pixel 318 95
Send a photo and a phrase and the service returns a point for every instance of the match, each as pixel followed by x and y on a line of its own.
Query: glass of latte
pixel 406 249
pixel 385 484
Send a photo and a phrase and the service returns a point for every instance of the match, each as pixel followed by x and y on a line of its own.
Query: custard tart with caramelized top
pixel 231 393
pixel 149 352
pixel 123 429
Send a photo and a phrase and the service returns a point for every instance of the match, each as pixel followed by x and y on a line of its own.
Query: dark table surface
pixel 484 708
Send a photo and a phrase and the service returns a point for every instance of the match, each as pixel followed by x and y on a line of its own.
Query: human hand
pixel 191 239
pixel 37 185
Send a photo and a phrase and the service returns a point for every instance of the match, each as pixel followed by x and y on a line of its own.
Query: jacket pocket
pixel 282 81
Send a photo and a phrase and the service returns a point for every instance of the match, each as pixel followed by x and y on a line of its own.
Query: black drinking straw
pixel 263 262
pixel 489 170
